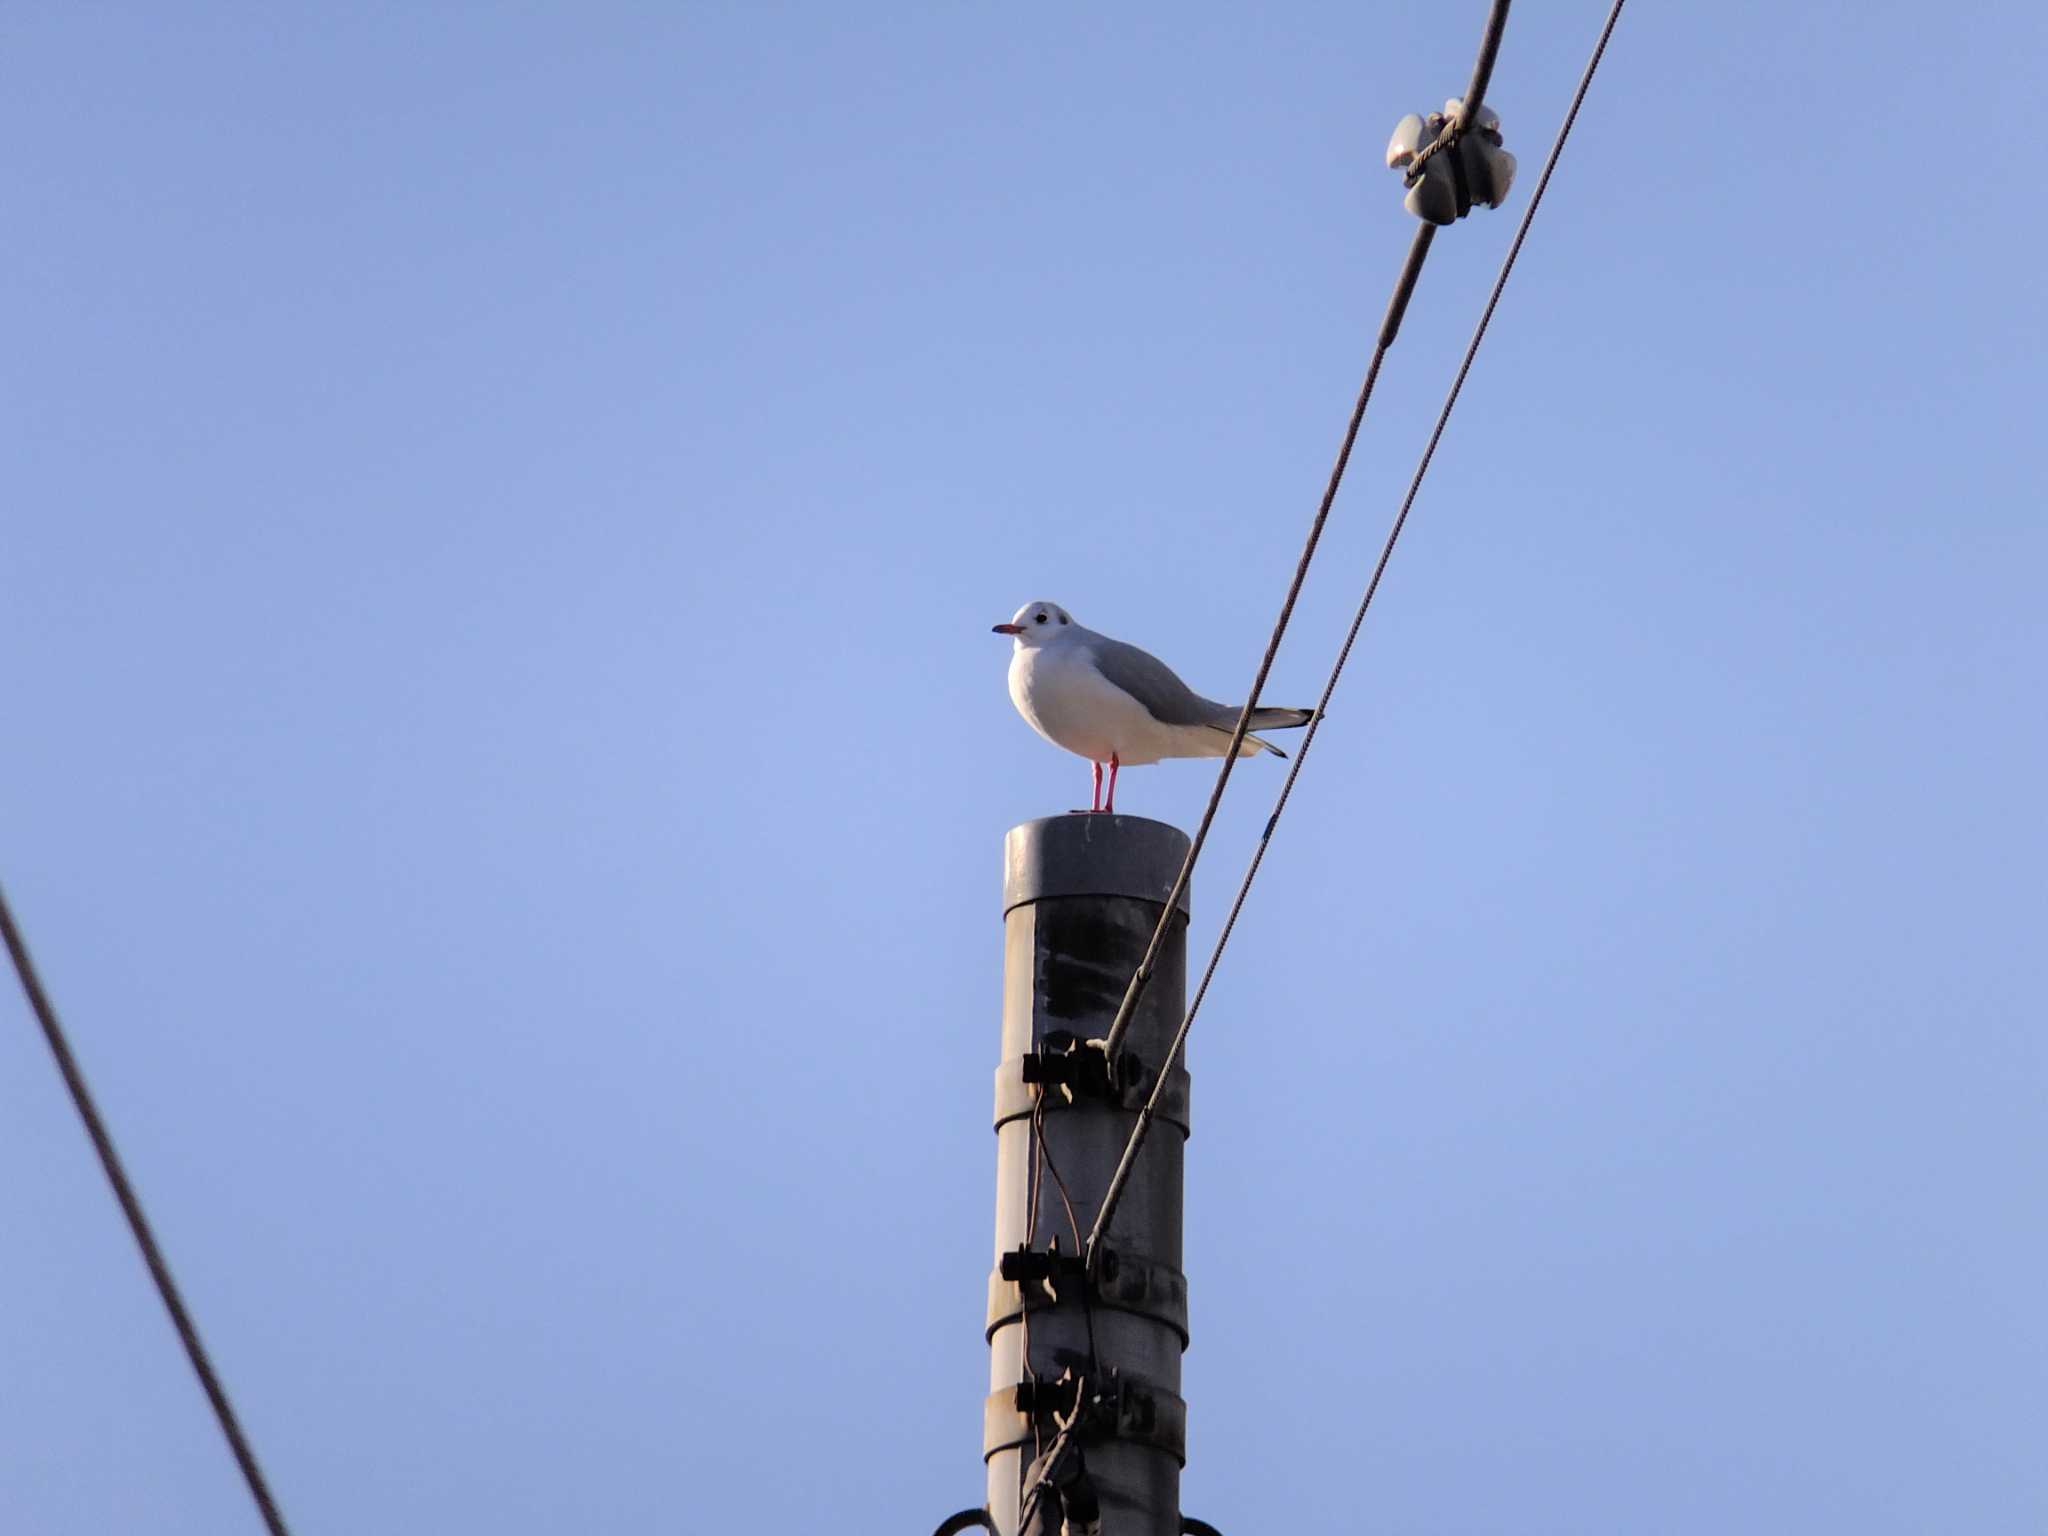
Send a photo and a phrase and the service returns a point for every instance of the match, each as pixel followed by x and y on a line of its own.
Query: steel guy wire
pixel 1144 1122
pixel 138 1224
pixel 1404 289
pixel 1482 67
pixel 1404 286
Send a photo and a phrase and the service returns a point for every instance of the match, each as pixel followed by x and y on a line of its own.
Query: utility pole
pixel 1084 1403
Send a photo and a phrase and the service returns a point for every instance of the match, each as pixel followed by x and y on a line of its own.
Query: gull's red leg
pixel 1111 805
pixel 1095 798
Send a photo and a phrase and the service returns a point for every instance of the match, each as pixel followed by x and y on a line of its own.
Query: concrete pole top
pixel 1083 854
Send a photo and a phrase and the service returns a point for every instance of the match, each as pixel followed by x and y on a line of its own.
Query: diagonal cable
pixel 1397 306
pixel 1144 1122
pixel 131 1207
pixel 1036 1495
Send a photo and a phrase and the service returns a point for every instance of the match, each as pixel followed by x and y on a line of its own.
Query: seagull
pixel 1113 703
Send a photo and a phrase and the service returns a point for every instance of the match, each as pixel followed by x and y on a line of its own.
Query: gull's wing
pixel 1151 682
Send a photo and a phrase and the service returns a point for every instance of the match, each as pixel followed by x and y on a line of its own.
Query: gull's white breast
pixel 1059 692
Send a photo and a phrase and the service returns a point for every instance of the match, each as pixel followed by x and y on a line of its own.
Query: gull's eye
pixel 1039 620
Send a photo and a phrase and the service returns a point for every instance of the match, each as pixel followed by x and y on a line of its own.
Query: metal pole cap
pixel 1085 854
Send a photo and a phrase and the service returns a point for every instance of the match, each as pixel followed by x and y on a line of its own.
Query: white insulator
pixel 1485 170
pixel 1490 171
pixel 1409 137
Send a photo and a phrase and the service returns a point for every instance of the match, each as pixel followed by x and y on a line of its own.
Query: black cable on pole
pixel 1034 1182
pixel 1144 1122
pixel 138 1224
pixel 1397 306
pixel 1043 1162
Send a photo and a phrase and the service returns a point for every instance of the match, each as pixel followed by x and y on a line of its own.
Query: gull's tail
pixel 1279 719
pixel 1263 720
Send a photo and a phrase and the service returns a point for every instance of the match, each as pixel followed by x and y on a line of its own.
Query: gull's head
pixel 1038 624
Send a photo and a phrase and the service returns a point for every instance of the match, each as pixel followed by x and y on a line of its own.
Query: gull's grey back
pixel 1151 682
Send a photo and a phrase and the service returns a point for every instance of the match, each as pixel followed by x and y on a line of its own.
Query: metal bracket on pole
pixel 1123 1407
pixel 1076 1067
pixel 1030 1280
pixel 1077 1081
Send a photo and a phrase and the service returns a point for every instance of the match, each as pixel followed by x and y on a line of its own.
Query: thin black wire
pixel 1042 1163
pixel 1073 1223
pixel 1500 282
pixel 138 1224
pixel 1046 1161
pixel 1397 306
pixel 1034 1186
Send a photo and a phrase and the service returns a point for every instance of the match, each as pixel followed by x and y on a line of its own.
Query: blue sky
pixel 500 515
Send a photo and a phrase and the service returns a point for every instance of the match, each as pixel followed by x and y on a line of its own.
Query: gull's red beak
pixel 1006 629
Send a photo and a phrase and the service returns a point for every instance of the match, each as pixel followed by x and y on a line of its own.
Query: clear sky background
pixel 505 765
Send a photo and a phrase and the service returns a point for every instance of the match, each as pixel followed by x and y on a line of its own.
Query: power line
pixel 1500 282
pixel 138 1224
pixel 1397 306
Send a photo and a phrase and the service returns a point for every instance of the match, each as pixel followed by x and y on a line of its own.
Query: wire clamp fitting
pixel 1065 1062
pixel 1115 1405
pixel 1055 1402
pixel 1448 172
pixel 1038 1273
